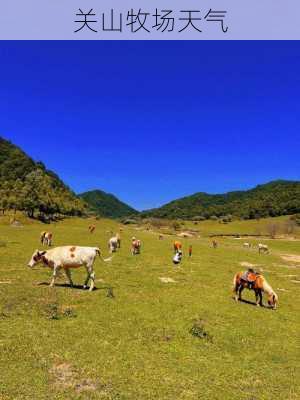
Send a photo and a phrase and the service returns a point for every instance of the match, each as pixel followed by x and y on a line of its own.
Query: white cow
pixel 247 245
pixel 67 257
pixel 113 244
pixel 263 248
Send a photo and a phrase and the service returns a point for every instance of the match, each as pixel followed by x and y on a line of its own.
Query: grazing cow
pixel 214 244
pixel 257 282
pixel 247 245
pixel 92 228
pixel 113 244
pixel 263 248
pixel 66 258
pixel 46 238
pixel 177 246
pixel 135 246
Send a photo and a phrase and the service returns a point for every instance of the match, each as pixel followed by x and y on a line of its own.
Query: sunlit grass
pixel 65 343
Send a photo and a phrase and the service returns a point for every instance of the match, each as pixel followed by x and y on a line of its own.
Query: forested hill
pixel 106 204
pixel 272 199
pixel 28 186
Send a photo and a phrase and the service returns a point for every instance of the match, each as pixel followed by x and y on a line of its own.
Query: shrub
pixel 199 218
pixel 52 311
pixel 198 330
pixel 129 221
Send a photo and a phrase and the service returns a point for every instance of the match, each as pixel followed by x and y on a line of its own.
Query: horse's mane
pixel 266 286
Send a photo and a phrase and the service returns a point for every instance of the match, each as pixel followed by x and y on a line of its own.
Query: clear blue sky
pixel 154 121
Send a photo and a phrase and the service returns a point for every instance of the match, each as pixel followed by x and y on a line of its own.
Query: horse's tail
pixel 235 280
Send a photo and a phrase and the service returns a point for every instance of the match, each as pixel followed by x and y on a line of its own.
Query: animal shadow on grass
pixel 251 303
pixel 109 289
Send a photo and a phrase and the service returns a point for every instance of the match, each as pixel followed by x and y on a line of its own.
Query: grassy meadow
pixel 150 330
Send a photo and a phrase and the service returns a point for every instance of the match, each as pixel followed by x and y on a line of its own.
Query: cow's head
pixel 36 258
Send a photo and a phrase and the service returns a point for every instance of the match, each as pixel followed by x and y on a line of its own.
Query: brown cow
pixel 177 246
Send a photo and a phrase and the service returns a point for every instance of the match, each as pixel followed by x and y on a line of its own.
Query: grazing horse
pixel 256 282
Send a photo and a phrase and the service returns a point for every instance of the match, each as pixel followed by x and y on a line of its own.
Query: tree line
pixel 28 186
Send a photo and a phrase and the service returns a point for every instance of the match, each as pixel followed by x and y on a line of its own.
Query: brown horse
pixel 259 285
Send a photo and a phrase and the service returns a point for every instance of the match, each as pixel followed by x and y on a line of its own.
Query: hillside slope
pixel 106 205
pixel 269 200
pixel 28 186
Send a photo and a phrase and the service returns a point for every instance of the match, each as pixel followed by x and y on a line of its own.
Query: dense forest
pixel 107 205
pixel 28 186
pixel 269 200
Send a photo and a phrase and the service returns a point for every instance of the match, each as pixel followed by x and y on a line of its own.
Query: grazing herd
pixel 66 258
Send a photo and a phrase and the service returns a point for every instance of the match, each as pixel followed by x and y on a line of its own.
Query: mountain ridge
pixel 274 198
pixel 107 204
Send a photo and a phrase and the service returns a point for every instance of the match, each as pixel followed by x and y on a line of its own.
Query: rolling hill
pixel 106 205
pixel 269 200
pixel 28 186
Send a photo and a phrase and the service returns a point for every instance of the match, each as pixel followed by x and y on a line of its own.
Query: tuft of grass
pixel 69 313
pixel 199 330
pixel 52 311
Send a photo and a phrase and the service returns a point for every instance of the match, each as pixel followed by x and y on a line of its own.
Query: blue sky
pixel 154 121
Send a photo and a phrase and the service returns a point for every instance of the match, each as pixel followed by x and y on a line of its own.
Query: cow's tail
pixel 100 255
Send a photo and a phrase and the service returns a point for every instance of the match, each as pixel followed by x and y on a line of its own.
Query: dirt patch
pixel 289 266
pixel 3 282
pixel 282 290
pixel 166 280
pixel 247 264
pixel 295 281
pixel 290 257
pixel 187 234
pixel 64 376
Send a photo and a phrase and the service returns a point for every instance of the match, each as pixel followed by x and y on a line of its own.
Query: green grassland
pixel 131 338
